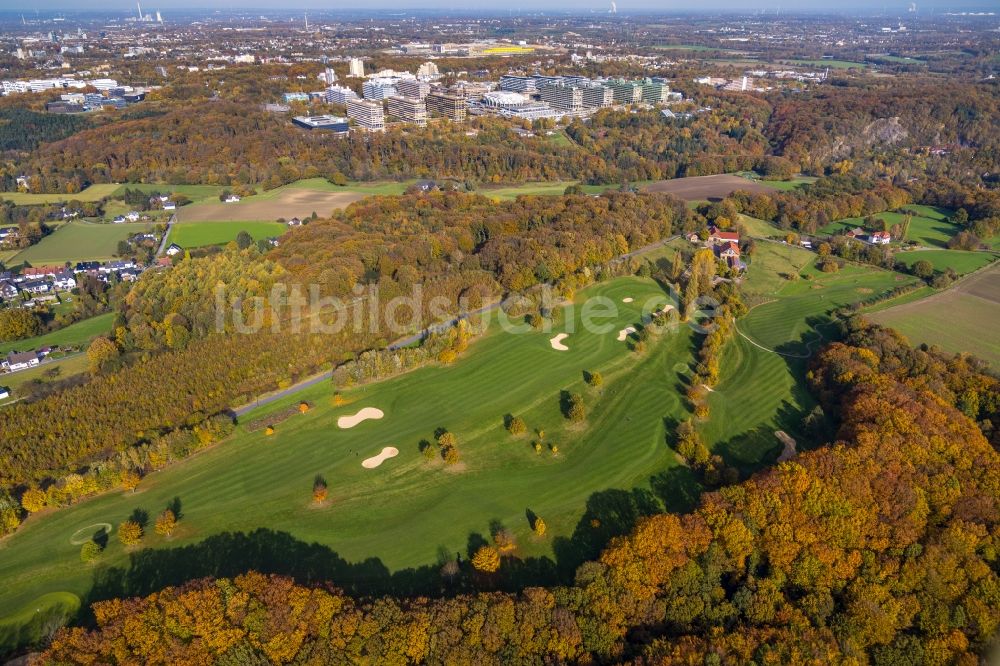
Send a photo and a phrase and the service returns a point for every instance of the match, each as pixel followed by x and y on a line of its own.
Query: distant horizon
pixel 559 7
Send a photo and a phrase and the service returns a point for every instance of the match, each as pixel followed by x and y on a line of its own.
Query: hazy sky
pixel 491 6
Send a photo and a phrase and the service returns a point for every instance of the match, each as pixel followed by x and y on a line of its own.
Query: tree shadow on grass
pixel 609 513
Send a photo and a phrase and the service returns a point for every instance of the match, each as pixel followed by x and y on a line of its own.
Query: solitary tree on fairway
pixel 89 551
pixel 129 533
pixel 319 490
pixel 516 425
pixel 539 526
pixel 165 523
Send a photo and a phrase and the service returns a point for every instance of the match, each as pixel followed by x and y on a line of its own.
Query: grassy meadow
pixel 198 234
pixel 79 333
pixel 78 241
pixel 92 193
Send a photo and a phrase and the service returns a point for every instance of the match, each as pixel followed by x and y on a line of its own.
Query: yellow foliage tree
pixel 129 533
pixel 130 480
pixel 33 500
pixel 165 523
pixel 486 559
pixel 539 526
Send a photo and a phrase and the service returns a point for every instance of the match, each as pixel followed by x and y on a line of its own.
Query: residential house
pixel 8 290
pixel 86 266
pixel 730 253
pixel 879 238
pixel 693 237
pixel 119 219
pixel 41 286
pixel 295 222
pixel 857 233
pixel 174 249
pixel 64 281
pixel 133 215
pixel 36 272
pixel 20 361
pixel 723 237
pixel 130 274
pixel 9 235
pixel 169 205
pixel 232 198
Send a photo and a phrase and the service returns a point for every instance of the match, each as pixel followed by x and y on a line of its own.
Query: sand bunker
pixel 625 332
pixel 627 299
pixel 663 310
pixel 365 414
pixel 557 344
pixel 375 461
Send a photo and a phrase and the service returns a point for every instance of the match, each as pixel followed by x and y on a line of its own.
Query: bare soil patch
pixel 288 204
pixel 697 188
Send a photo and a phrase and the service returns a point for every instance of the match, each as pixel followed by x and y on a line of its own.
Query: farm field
pixel 960 261
pixel 78 241
pixel 198 234
pixel 79 333
pixel 421 508
pixel 707 187
pixel 284 202
pixel 964 317
pixel 92 193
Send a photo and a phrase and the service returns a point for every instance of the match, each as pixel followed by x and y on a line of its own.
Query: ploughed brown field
pixel 287 204
pixel 697 188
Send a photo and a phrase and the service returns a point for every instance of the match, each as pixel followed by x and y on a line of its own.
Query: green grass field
pixel 62 368
pixel 198 234
pixel 929 226
pixel 78 241
pixel 323 185
pixel 761 228
pixel 798 308
pixel 196 193
pixel 92 193
pixel 79 333
pixel 958 260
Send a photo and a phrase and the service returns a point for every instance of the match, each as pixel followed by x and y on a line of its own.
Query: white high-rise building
pixel 339 95
pixel 357 68
pixel 428 70
pixel 367 114
pixel 379 89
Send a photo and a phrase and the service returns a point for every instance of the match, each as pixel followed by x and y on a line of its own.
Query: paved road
pixel 409 340
pixel 166 234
